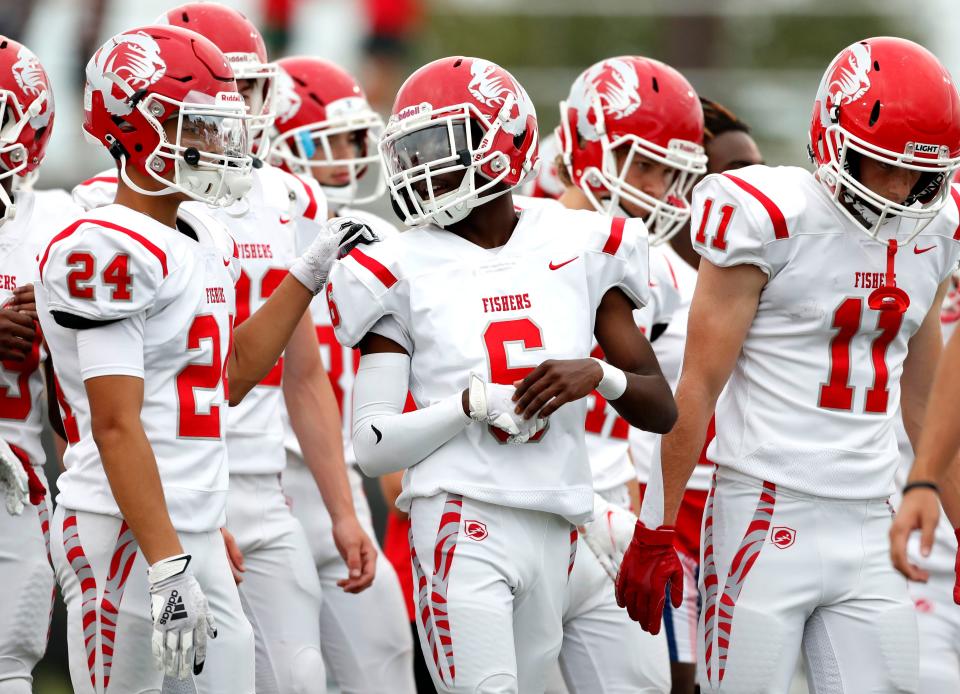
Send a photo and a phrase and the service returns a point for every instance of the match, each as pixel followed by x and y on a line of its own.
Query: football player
pixel 487 315
pixel 630 140
pixel 269 546
pixel 26 99
pixel 326 131
pixel 137 303
pixel 817 302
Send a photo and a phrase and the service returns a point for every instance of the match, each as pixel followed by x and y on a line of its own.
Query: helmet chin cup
pixel 889 299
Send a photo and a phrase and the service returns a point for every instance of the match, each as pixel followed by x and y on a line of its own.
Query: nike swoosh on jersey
pixel 917 250
pixel 285 220
pixel 377 432
pixel 565 262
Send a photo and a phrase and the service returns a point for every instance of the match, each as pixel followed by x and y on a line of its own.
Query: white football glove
pixel 182 620
pixel 492 403
pixel 337 237
pixel 13 480
pixel 609 533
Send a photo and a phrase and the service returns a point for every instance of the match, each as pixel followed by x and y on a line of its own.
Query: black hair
pixel 718 119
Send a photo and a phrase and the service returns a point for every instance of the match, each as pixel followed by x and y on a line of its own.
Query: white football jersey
pixel 607 433
pixel 115 264
pixel 278 208
pixel 498 313
pixel 812 400
pixel 340 362
pixel 38 216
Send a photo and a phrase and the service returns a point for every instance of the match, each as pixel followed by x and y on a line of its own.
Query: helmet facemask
pixel 261 100
pixel 421 155
pixel 14 120
pixel 840 175
pixel 298 150
pixel 208 152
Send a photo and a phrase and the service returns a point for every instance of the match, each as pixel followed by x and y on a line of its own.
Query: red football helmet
pixel 317 100
pixel 891 100
pixel 648 107
pixel 26 107
pixel 243 45
pixel 142 79
pixel 457 118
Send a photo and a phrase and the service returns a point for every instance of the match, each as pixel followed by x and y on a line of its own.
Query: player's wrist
pixel 921 484
pixel 170 567
pixel 613 381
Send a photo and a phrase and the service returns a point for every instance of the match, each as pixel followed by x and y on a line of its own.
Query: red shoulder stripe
pixel 159 254
pixel 312 206
pixel 956 198
pixel 776 216
pixel 616 235
pixel 100 179
pixel 378 269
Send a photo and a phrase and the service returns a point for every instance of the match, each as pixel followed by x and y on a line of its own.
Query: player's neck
pixel 490 225
pixel 683 247
pixel 162 208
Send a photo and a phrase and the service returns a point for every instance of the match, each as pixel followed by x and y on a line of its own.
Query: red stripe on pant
pixel 124 554
pixel 574 535
pixel 718 615
pixel 88 589
pixel 432 600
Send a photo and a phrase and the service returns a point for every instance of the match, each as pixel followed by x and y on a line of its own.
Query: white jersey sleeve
pixel 97 191
pixel 616 254
pixel 360 291
pixel 102 272
pixel 306 197
pixel 665 296
pixel 734 223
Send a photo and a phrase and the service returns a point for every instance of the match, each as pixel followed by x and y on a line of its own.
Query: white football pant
pixel 781 571
pixel 280 592
pixel 103 578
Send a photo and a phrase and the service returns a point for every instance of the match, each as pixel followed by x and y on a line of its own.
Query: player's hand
pixel 650 563
pixel 919 510
pixel 358 552
pixel 609 533
pixel 24 301
pixel 336 239
pixel 492 403
pixel 182 620
pixel 17 332
pixel 13 480
pixel 234 555
pixel 553 383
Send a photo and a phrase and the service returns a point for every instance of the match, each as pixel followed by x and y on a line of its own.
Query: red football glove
pixel 956 570
pixel 649 564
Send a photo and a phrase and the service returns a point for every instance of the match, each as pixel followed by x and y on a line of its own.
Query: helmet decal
pixel 842 83
pixel 616 83
pixel 491 86
pixel 135 59
pixel 32 79
pixel 288 101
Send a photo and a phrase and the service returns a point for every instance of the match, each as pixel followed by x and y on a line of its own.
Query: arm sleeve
pixel 112 350
pixel 355 300
pixel 384 438
pixel 390 327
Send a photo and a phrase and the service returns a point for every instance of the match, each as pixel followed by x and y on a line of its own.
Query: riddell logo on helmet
pixel 229 98
pixel 475 530
pixel 411 111
pixel 782 536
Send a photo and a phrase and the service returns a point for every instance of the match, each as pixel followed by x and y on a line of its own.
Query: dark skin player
pixel 647 402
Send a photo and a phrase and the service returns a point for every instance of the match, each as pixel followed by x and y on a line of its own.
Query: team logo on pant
pixel 782 536
pixel 475 530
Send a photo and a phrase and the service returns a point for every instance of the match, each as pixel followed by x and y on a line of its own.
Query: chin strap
pixel 889 297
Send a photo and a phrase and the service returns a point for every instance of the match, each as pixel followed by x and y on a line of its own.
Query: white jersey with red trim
pixel 499 313
pixel 119 267
pixel 607 432
pixel 812 400
pixel 339 361
pixel 669 348
pixel 21 381
pixel 547 183
pixel 278 208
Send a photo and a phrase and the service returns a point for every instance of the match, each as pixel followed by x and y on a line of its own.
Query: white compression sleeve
pixel 385 439
pixel 651 511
